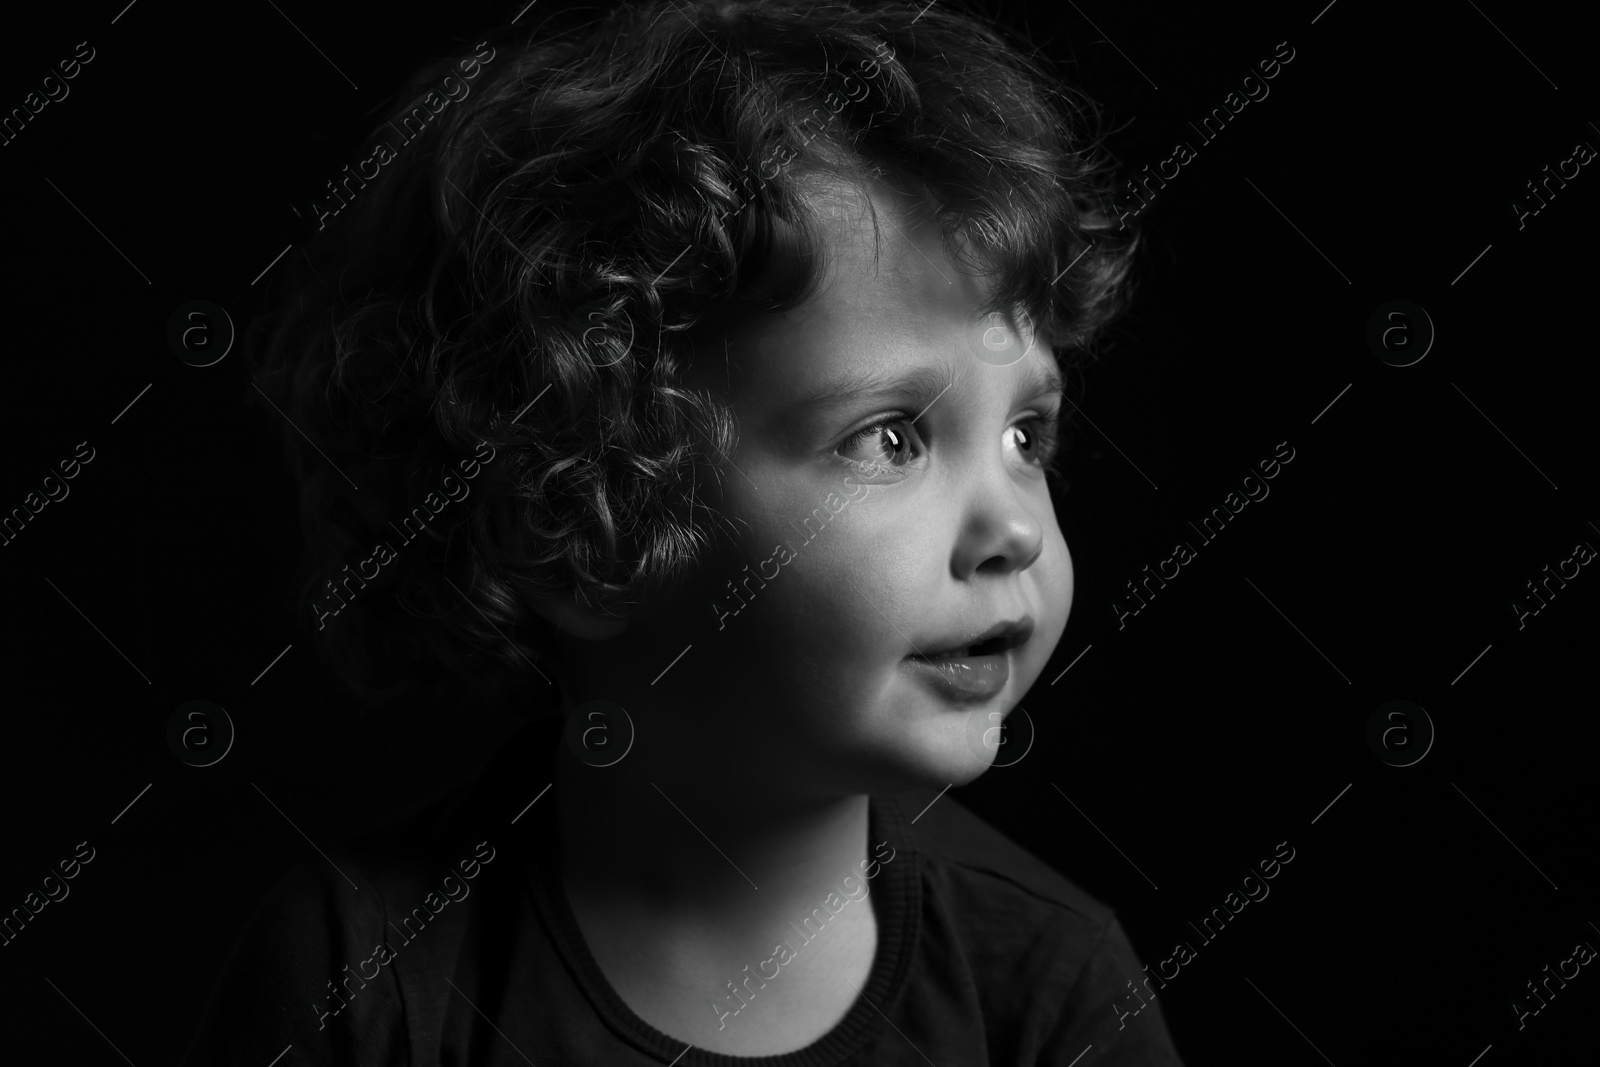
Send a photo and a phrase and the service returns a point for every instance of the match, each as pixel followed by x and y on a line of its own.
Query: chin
pixel 933 755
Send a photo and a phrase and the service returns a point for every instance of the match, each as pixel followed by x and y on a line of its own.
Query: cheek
pixel 850 585
pixel 848 598
pixel 1053 585
pixel 1061 580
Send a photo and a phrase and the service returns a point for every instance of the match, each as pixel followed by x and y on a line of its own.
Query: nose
pixel 1000 534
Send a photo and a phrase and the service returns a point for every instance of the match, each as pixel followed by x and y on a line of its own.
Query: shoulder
pixel 963 850
pixel 1047 962
pixel 992 909
pixel 326 954
pixel 282 982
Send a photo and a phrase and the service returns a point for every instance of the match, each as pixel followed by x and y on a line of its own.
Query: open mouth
pixel 994 646
pixel 963 676
pixel 975 671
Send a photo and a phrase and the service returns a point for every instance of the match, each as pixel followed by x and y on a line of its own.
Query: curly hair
pixel 524 274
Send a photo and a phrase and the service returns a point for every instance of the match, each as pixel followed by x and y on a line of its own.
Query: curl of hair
pixel 525 273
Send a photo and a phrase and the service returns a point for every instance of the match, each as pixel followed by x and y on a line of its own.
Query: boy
pixel 858 238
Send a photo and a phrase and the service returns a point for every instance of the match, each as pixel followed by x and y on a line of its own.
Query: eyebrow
pixel 926 384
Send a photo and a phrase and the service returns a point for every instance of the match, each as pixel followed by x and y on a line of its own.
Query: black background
pixel 1221 720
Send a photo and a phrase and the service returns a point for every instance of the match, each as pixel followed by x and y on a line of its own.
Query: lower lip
pixel 964 678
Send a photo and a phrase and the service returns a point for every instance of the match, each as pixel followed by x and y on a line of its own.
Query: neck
pixel 686 841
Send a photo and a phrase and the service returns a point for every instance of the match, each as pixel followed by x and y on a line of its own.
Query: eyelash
pixel 1047 437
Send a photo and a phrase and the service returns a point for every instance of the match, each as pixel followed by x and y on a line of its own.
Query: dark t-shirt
pixel 448 940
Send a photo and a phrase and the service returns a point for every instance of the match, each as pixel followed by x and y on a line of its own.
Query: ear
pixel 568 616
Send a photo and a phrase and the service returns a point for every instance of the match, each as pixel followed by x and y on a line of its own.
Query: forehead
pixel 897 270
pixel 890 303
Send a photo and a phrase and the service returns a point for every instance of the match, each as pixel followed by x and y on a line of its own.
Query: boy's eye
pixel 892 442
pixel 1037 439
pixel 888 441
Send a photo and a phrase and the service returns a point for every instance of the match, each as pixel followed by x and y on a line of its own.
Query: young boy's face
pixel 943 530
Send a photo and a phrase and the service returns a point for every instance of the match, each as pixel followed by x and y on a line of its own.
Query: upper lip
pixel 1008 635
